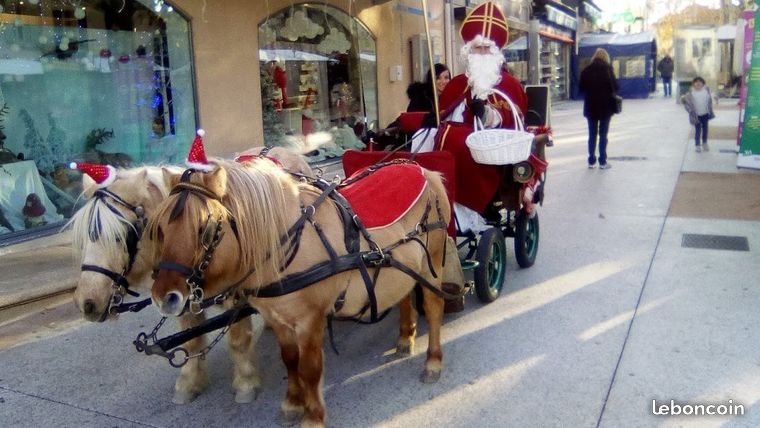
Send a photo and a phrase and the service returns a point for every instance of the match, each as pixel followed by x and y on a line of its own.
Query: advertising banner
pixel 749 149
pixel 747 24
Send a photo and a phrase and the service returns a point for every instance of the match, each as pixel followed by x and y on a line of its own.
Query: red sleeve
pixel 453 94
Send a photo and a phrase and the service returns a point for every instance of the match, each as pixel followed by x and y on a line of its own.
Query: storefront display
pixel 104 82
pixel 318 85
pixel 553 60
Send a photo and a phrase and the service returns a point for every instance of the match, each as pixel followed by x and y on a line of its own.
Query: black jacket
pixel 665 67
pixel 420 97
pixel 598 85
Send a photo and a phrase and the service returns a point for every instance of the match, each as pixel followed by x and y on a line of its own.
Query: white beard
pixel 484 72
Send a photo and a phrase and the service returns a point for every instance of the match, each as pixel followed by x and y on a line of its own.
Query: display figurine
pixel 33 211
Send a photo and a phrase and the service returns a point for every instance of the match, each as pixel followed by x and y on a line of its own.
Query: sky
pixel 618 6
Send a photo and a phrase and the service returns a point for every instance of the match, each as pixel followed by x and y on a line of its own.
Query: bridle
pixel 211 236
pixel 119 282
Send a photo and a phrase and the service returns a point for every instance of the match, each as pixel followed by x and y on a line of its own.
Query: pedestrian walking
pixel 599 87
pixel 665 67
pixel 698 103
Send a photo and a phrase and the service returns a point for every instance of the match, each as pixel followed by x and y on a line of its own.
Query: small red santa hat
pixel 196 159
pixel 487 21
pixel 103 175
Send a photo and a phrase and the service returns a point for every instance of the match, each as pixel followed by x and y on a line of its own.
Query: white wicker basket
pixel 500 146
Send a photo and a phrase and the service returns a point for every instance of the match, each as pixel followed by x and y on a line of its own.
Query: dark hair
pixel 439 68
pixel 698 79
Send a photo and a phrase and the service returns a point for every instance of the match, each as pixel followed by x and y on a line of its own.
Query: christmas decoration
pixel 33 211
pixel 196 159
pixel 103 175
pixel 36 148
pixel 273 132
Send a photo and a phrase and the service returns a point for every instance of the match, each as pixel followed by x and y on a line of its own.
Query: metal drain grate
pixel 715 242
pixel 733 152
pixel 627 158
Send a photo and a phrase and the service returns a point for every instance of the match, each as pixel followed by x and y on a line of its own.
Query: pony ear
pixel 216 181
pixel 89 185
pixel 170 179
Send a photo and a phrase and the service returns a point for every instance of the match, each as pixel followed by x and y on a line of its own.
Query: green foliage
pixel 96 137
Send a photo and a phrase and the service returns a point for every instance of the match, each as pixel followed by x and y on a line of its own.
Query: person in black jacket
pixel 665 67
pixel 421 94
pixel 599 86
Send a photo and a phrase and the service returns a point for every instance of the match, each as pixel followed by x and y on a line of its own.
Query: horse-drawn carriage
pixel 516 186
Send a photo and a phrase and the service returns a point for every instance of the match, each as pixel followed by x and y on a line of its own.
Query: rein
pixel 119 283
pixel 373 258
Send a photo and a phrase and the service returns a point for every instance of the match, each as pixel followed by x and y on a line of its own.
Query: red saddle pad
pixel 442 162
pixel 385 195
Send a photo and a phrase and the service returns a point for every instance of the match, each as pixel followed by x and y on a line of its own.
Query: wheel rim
pixel 531 237
pixel 495 267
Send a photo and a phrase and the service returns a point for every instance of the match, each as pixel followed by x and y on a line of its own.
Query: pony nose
pixel 89 307
pixel 172 303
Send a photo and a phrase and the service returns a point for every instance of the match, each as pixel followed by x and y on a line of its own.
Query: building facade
pixel 128 83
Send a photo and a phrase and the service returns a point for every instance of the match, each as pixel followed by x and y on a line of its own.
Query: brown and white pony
pixel 253 253
pixel 107 234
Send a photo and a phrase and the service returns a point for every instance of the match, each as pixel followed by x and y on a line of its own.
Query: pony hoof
pixel 184 397
pixel 244 397
pixel 289 418
pixel 403 350
pixel 430 376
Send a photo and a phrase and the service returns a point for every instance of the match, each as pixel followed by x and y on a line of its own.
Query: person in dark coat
pixel 421 94
pixel 599 86
pixel 665 67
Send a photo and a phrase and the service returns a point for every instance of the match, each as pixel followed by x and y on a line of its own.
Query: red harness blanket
pixel 385 195
pixel 442 162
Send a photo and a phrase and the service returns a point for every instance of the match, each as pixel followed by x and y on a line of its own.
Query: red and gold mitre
pixel 486 20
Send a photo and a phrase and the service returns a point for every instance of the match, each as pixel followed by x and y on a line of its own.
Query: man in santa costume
pixel 479 92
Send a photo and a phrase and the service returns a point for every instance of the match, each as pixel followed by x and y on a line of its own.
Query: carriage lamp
pixel 522 172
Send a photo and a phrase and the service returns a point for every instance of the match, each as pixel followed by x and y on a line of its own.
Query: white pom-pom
pixel 201 133
pixel 73 165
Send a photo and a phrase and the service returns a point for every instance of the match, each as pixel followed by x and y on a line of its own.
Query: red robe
pixel 476 184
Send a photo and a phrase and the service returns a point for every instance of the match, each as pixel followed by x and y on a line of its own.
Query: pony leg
pixel 192 378
pixel 245 374
pixel 407 326
pixel 292 408
pixel 310 368
pixel 433 305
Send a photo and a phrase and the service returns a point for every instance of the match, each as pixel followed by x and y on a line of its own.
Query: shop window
pixel 318 79
pixel 86 81
pixel 626 67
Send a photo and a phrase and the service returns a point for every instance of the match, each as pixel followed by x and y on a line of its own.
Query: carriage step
pixel 469 264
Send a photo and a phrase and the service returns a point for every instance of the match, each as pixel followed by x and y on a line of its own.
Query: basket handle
pixel 515 117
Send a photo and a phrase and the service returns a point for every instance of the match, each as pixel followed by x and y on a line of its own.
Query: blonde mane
pixel 256 197
pixel 95 222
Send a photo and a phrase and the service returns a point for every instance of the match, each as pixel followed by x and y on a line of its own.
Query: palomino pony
pixel 107 233
pixel 254 232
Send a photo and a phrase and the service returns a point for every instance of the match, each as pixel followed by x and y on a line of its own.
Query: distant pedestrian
pixel 665 67
pixel 698 102
pixel 599 86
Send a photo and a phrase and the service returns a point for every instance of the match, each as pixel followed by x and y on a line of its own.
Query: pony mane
pixel 255 198
pixel 95 222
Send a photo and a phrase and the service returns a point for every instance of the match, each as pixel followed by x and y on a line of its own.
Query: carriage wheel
pixel 526 239
pixel 492 259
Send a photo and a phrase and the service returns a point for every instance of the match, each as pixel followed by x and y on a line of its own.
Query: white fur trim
pixel 110 179
pixel 201 166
